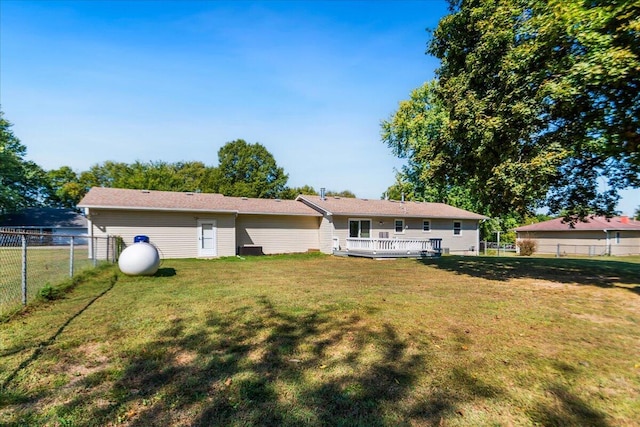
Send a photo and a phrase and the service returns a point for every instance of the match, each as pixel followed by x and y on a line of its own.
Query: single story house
pixel 59 223
pixel 189 225
pixel 598 236
pixel 357 225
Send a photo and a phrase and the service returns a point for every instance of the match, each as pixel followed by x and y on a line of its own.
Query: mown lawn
pixel 45 266
pixel 319 340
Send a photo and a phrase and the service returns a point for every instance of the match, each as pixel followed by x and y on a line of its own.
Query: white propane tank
pixel 139 259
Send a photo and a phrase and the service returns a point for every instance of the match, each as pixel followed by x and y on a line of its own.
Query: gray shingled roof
pixel 387 208
pixel 593 224
pixel 116 198
pixel 44 218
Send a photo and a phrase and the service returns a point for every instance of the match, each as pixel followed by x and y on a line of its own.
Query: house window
pixel 360 228
pixel 426 226
pixel 617 237
pixel 399 225
pixel 457 228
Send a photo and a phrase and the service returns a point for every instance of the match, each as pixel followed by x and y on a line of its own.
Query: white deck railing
pixel 393 245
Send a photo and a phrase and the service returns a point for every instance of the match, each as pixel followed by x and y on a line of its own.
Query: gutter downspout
pixel 87 214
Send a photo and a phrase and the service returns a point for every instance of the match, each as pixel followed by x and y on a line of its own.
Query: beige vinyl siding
pixel 629 243
pixel 578 242
pixel 278 233
pixel 341 228
pixel 325 235
pixel 465 243
pixel 175 234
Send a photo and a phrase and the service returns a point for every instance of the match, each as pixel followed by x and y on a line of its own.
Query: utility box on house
pixel 250 250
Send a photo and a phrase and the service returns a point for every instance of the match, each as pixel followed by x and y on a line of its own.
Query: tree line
pixel 244 170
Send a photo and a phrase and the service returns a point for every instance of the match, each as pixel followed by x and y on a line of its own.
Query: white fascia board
pixel 130 208
pixel 313 205
pixel 315 215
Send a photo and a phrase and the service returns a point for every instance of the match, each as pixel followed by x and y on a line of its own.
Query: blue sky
pixel 88 81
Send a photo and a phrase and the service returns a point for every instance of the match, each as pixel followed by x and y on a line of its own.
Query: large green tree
pixel 417 132
pixel 64 188
pixel 244 170
pixel 154 175
pixel 537 102
pixel 249 170
pixel 21 181
pixel 291 193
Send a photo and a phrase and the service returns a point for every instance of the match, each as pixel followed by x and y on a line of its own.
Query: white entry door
pixel 207 239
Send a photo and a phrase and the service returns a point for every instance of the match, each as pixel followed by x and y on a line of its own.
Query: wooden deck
pixel 380 255
pixel 391 248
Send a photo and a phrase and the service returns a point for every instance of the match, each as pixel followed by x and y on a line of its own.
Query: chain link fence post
pixel 71 259
pixel 30 261
pixel 24 269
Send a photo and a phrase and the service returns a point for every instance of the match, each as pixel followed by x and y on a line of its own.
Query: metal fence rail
pixel 561 249
pixel 497 248
pixel 31 261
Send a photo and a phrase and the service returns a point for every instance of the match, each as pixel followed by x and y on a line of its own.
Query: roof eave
pixel 138 208
pixel 229 211
pixel 404 215
pixel 315 214
pixel 314 205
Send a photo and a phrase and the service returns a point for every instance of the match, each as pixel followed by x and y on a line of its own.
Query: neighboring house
pixel 55 221
pixel 189 225
pixel 598 236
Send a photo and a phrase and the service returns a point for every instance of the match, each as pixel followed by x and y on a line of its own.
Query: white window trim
pixel 395 229
pixel 360 227
pixel 454 229
pixel 429 230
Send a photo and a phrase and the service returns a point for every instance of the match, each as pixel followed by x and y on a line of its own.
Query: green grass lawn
pixel 320 340
pixel 45 266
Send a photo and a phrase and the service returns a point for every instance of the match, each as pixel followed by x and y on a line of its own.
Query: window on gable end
pixel 457 228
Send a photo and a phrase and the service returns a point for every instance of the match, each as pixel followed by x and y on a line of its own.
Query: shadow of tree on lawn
pixel 583 272
pixel 567 410
pixel 260 366
pixel 43 345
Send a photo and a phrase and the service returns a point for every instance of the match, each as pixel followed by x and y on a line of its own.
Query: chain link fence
pixel 561 249
pixel 31 261
pixel 496 248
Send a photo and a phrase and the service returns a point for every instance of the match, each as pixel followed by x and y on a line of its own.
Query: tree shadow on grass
pixel 43 345
pixel 261 366
pixel 572 271
pixel 566 410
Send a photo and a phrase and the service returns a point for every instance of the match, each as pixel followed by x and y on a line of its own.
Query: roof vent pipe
pixel 322 193
pixel 402 199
